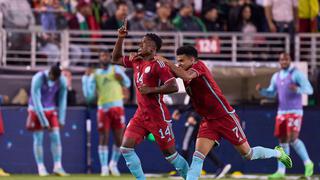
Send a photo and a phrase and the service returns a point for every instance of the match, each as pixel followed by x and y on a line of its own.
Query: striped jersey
pixel 206 96
pixel 150 73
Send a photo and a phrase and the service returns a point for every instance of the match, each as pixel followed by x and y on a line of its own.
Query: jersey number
pixel 236 132
pixel 167 132
pixel 139 78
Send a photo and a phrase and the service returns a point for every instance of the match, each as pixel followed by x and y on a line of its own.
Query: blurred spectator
pixel 115 21
pixel 49 47
pixel 136 21
pixel 186 21
pixel 48 9
pixel 112 6
pixel 163 17
pixel 281 15
pixel 245 23
pixel 71 97
pixel 211 19
pixel 308 11
pixel 233 15
pixel 258 16
pixel 17 14
pixel 99 12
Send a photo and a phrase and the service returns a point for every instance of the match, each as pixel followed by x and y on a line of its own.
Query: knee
pixel 293 141
pixel 247 155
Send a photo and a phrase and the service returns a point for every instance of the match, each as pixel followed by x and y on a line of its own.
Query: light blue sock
pixel 281 166
pixel 56 148
pixel 115 154
pixel 103 155
pixel 133 162
pixel 259 152
pixel 301 150
pixel 196 166
pixel 179 163
pixel 37 147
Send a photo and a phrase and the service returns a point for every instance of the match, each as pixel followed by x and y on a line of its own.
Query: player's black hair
pixel 156 39
pixel 104 51
pixel 119 3
pixel 188 51
pixel 55 70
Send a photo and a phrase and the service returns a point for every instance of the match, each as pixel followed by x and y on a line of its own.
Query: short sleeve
pixel 126 62
pixel 199 68
pixel 164 72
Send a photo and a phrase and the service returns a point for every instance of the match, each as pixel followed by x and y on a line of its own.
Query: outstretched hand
pixel 161 58
pixel 123 30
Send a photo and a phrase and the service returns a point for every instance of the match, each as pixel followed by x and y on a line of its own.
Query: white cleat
pixel 114 169
pixel 223 172
pixel 43 172
pixel 104 171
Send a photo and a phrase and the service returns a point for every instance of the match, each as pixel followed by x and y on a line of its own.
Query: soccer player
pixel 47 110
pixel 153 79
pixel 190 135
pixel 219 118
pixel 108 81
pixel 289 84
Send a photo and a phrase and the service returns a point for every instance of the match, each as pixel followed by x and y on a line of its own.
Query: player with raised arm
pixel 219 118
pixel 109 81
pixel 152 79
pixel 47 110
pixel 289 84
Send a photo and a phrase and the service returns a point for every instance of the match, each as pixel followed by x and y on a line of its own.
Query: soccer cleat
pixel 60 172
pixel 221 172
pixel 3 173
pixel 284 158
pixel 308 171
pixel 43 172
pixel 277 175
pixel 114 170
pixel 104 171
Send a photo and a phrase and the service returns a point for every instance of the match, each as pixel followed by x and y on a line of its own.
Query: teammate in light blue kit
pixel 289 84
pixel 109 81
pixel 47 110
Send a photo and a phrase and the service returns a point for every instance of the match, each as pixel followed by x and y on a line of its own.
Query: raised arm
pixel 117 51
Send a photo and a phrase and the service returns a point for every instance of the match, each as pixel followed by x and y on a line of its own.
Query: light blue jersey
pixel 304 86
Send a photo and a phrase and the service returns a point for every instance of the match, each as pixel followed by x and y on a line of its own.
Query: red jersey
pixel 206 96
pixel 150 73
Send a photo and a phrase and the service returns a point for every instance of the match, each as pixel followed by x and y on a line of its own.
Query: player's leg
pixel 33 124
pixel 297 144
pixel 56 146
pixel 203 147
pixel 188 137
pixel 173 157
pixel 104 131
pixel 235 135
pixel 133 135
pixel 117 125
pixel 38 152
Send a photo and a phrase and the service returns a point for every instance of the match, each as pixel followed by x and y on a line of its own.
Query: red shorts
pixel 286 124
pixel 33 122
pixel 227 127
pixel 139 128
pixel 1 124
pixel 113 118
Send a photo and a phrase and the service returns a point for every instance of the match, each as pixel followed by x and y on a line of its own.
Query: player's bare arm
pixel 170 86
pixel 179 72
pixel 117 51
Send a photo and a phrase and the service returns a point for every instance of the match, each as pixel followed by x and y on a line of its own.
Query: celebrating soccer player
pixel 219 118
pixel 289 84
pixel 153 79
pixel 109 82
pixel 47 110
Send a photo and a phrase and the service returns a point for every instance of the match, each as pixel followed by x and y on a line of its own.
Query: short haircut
pixel 188 51
pixel 121 3
pixel 55 70
pixel 156 39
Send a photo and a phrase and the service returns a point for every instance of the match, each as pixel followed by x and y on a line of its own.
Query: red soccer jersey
pixel 150 73
pixel 206 96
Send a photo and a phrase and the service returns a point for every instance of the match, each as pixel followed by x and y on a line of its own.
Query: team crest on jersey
pixel 147 69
